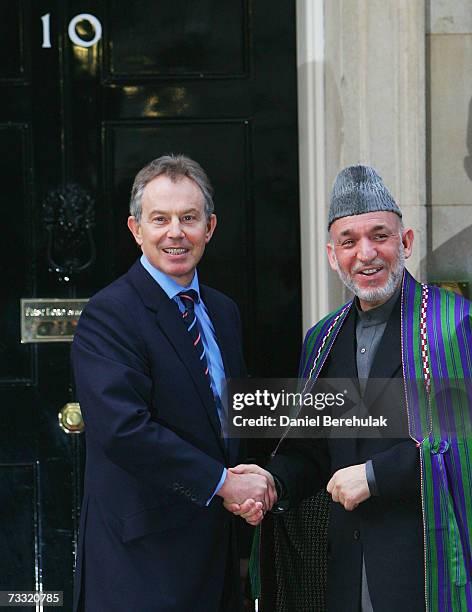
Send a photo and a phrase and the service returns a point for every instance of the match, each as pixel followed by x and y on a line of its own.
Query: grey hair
pixel 175 166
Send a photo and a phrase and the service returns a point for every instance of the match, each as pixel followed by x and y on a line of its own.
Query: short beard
pixel 377 294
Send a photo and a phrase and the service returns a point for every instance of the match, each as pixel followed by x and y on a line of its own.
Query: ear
pixel 211 224
pixel 135 229
pixel 407 240
pixel 331 256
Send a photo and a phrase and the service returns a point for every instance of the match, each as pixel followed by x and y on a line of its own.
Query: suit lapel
pixel 341 362
pixel 387 360
pixel 169 319
pixel 223 334
pixel 218 315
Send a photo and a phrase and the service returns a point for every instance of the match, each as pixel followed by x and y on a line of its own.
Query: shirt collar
pixel 380 314
pixel 168 284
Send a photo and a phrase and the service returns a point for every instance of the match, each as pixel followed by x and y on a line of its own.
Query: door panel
pixel 16 364
pixel 13 47
pixel 178 39
pixel 18 486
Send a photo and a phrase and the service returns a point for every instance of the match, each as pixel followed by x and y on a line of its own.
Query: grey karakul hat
pixel 358 190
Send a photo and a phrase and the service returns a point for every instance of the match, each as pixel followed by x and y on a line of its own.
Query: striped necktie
pixel 188 299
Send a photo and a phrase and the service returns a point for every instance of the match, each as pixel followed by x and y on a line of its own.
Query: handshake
pixel 249 492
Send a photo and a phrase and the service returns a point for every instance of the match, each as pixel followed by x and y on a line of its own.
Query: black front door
pixel 91 92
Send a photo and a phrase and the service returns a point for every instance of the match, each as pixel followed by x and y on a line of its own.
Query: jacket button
pixel 356 534
pixel 193 498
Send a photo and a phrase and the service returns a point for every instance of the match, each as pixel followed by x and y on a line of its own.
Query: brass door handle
pixel 70 418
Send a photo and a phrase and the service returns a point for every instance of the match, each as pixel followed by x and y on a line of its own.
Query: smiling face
pixel 173 230
pixel 368 251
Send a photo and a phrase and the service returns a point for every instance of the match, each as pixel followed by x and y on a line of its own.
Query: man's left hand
pixel 349 486
pixel 250 510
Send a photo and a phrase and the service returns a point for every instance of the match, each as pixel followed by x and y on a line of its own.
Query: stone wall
pixel 449 127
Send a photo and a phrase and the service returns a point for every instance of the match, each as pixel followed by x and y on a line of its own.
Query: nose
pixel 366 251
pixel 174 229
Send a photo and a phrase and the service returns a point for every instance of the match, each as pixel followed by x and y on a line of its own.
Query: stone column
pixel 311 119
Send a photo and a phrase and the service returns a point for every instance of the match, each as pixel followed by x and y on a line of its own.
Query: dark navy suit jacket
pixel 148 541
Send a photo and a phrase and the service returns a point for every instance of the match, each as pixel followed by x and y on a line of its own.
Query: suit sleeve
pixel 114 388
pixel 302 467
pixel 397 471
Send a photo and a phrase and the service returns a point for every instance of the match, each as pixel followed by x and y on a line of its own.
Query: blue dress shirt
pixel 212 350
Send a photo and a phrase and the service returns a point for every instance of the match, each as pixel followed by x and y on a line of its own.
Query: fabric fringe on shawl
pixel 437 369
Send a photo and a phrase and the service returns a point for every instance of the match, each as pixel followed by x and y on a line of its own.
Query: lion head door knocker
pixel 69 217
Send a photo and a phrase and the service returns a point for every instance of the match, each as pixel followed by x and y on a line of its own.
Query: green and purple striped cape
pixel 436 330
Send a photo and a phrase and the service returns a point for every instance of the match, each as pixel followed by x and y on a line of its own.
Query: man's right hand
pixel 241 486
pixel 252 508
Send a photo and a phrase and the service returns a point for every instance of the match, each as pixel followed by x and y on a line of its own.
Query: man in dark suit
pixel 150 355
pixel 375 533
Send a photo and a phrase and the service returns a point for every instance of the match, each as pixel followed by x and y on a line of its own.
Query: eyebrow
pixel 156 211
pixel 376 228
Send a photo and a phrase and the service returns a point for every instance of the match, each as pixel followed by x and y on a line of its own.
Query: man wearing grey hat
pixel 379 532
